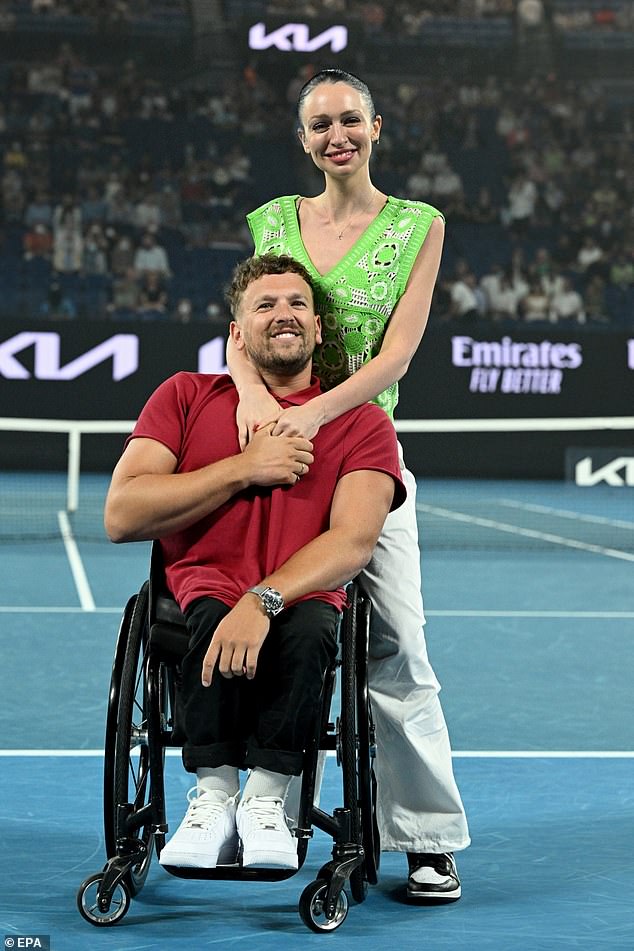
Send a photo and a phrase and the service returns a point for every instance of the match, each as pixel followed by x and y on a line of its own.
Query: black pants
pixel 261 722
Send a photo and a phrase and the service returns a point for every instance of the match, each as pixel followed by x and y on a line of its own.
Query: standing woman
pixel 374 260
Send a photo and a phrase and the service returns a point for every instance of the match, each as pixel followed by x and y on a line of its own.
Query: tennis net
pixel 481 483
pixel 55 476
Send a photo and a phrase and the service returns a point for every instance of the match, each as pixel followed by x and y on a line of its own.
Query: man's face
pixel 276 323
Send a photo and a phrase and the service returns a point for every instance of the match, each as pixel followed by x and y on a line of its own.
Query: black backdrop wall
pixel 102 371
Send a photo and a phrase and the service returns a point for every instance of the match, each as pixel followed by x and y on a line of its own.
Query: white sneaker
pixel 207 835
pixel 266 838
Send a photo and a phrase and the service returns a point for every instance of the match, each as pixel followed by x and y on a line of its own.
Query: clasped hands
pixel 252 416
pixel 277 460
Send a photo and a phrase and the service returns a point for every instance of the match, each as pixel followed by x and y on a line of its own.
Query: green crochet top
pixel 356 298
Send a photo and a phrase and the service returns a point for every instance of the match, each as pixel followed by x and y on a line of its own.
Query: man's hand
pixel 279 460
pixel 237 640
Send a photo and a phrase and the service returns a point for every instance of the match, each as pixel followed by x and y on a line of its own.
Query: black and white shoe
pixel 433 878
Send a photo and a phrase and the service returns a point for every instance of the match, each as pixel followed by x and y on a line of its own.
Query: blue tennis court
pixel 530 611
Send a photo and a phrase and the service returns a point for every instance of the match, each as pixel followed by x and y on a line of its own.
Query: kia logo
pixel 296 37
pixel 122 349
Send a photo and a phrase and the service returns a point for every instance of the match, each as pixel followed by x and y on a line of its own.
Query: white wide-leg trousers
pixel 419 806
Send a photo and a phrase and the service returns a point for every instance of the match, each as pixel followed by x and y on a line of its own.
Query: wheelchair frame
pixel 152 640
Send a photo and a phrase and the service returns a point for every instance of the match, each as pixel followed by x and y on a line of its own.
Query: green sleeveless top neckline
pixel 357 296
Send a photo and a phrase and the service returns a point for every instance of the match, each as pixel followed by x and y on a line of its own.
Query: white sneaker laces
pixel 204 808
pixel 267 812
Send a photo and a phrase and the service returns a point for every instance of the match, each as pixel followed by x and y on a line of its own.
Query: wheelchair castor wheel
pixel 312 907
pixel 88 902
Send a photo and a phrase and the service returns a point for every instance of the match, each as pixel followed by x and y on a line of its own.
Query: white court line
pixel 566 513
pixel 524 532
pixel 602 615
pixel 76 565
pixel 457 754
pixel 543 754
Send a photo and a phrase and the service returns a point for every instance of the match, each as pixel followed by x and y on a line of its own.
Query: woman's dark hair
pixel 335 76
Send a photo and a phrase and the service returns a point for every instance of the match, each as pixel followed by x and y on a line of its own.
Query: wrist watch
pixel 271 599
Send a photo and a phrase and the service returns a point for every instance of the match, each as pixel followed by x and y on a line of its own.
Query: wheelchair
pixel 151 643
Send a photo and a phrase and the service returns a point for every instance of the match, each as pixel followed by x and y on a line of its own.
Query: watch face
pixel 273 602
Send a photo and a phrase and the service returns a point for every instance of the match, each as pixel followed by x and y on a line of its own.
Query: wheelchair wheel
pixel 88 904
pixel 127 772
pixel 311 907
pixel 359 786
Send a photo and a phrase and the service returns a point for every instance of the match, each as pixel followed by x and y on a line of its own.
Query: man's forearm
pixel 324 564
pixel 148 506
pixel 358 511
pixel 321 565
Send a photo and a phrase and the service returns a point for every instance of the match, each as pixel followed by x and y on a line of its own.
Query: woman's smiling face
pixel 337 128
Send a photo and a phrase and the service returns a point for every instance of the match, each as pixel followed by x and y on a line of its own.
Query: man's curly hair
pixel 257 266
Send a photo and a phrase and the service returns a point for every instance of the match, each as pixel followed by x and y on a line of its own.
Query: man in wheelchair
pixel 256 547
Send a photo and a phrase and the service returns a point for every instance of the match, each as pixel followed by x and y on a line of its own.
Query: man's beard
pixel 283 364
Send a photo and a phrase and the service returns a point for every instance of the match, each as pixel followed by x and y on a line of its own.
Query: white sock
pixel 222 778
pixel 263 782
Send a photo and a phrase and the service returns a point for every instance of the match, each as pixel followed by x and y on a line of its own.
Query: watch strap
pixel 273 603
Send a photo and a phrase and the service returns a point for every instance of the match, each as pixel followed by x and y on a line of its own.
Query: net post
pixel 74 462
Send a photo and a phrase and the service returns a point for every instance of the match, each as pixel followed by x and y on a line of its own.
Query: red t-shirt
pixel 257 530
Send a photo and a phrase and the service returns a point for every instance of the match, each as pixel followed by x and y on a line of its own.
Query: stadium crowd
pixel 124 195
